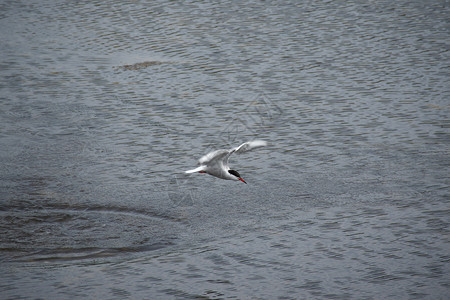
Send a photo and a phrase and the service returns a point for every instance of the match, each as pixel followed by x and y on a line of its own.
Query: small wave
pixel 86 253
pixel 66 209
pixel 140 65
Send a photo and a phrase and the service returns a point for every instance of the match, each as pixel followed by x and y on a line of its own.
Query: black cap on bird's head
pixel 236 173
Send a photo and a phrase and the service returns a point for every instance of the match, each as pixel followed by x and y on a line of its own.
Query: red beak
pixel 242 180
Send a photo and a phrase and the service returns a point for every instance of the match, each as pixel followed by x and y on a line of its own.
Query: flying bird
pixel 215 163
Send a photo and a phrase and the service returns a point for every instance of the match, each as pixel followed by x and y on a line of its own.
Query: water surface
pixel 103 105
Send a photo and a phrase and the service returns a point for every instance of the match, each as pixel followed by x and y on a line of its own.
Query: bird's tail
pixel 201 168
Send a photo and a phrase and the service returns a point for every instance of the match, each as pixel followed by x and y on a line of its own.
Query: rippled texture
pixel 104 104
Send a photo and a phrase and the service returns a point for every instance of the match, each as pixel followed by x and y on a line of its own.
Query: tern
pixel 215 163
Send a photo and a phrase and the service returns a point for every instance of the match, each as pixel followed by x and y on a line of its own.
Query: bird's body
pixel 215 163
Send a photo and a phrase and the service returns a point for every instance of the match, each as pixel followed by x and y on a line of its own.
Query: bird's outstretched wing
pixel 223 154
pixel 213 156
pixel 247 146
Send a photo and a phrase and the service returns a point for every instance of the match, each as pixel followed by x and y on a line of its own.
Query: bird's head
pixel 237 175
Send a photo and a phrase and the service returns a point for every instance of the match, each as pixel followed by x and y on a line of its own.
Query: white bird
pixel 215 163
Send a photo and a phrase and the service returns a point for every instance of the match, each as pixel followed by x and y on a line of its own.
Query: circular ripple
pixel 67 234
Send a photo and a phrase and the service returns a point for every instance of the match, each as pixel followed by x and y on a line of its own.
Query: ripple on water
pixel 79 233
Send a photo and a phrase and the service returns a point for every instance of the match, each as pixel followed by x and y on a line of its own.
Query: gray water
pixel 104 105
